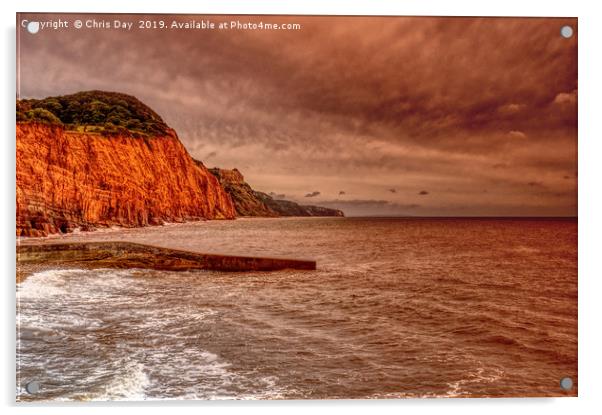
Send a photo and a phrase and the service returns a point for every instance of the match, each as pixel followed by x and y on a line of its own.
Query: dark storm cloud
pixel 313 194
pixel 392 190
pixel 423 192
pixel 440 102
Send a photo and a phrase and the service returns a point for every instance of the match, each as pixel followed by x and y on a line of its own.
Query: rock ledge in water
pixel 134 255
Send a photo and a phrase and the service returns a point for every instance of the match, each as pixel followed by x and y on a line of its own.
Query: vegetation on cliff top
pixel 101 112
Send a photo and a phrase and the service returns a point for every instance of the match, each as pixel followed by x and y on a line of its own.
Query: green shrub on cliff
pixel 38 114
pixel 99 111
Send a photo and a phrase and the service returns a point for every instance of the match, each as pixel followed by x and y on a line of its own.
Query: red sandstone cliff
pixel 68 179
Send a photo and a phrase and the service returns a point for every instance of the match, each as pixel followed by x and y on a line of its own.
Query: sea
pixel 397 308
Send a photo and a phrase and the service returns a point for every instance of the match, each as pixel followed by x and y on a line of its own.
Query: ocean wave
pixel 129 385
pixel 44 284
pixel 480 376
pixel 523 249
pixel 363 325
pixel 499 339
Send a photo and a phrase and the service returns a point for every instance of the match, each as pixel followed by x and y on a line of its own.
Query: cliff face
pixel 68 179
pixel 243 196
pixel 249 202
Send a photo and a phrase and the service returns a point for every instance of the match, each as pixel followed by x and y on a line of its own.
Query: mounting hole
pixel 566 32
pixel 33 27
pixel 566 383
pixel 33 387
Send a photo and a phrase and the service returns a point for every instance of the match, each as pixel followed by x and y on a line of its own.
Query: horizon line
pixel 462 217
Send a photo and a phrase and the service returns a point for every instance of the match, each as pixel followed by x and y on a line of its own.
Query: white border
pixel 590 206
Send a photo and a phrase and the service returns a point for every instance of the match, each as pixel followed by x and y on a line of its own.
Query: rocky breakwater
pixel 133 255
pixel 99 159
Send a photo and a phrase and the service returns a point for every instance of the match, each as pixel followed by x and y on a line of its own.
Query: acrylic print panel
pixel 295 207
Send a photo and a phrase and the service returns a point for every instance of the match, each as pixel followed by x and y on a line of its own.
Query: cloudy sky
pixel 374 115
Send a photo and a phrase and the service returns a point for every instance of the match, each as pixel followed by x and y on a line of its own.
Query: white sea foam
pixel 44 284
pixel 61 282
pixel 129 384
pixel 479 376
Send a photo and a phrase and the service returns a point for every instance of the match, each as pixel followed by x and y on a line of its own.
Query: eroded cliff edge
pixel 249 202
pixel 68 179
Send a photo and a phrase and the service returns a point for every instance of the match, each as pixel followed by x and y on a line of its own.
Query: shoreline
pixel 103 230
